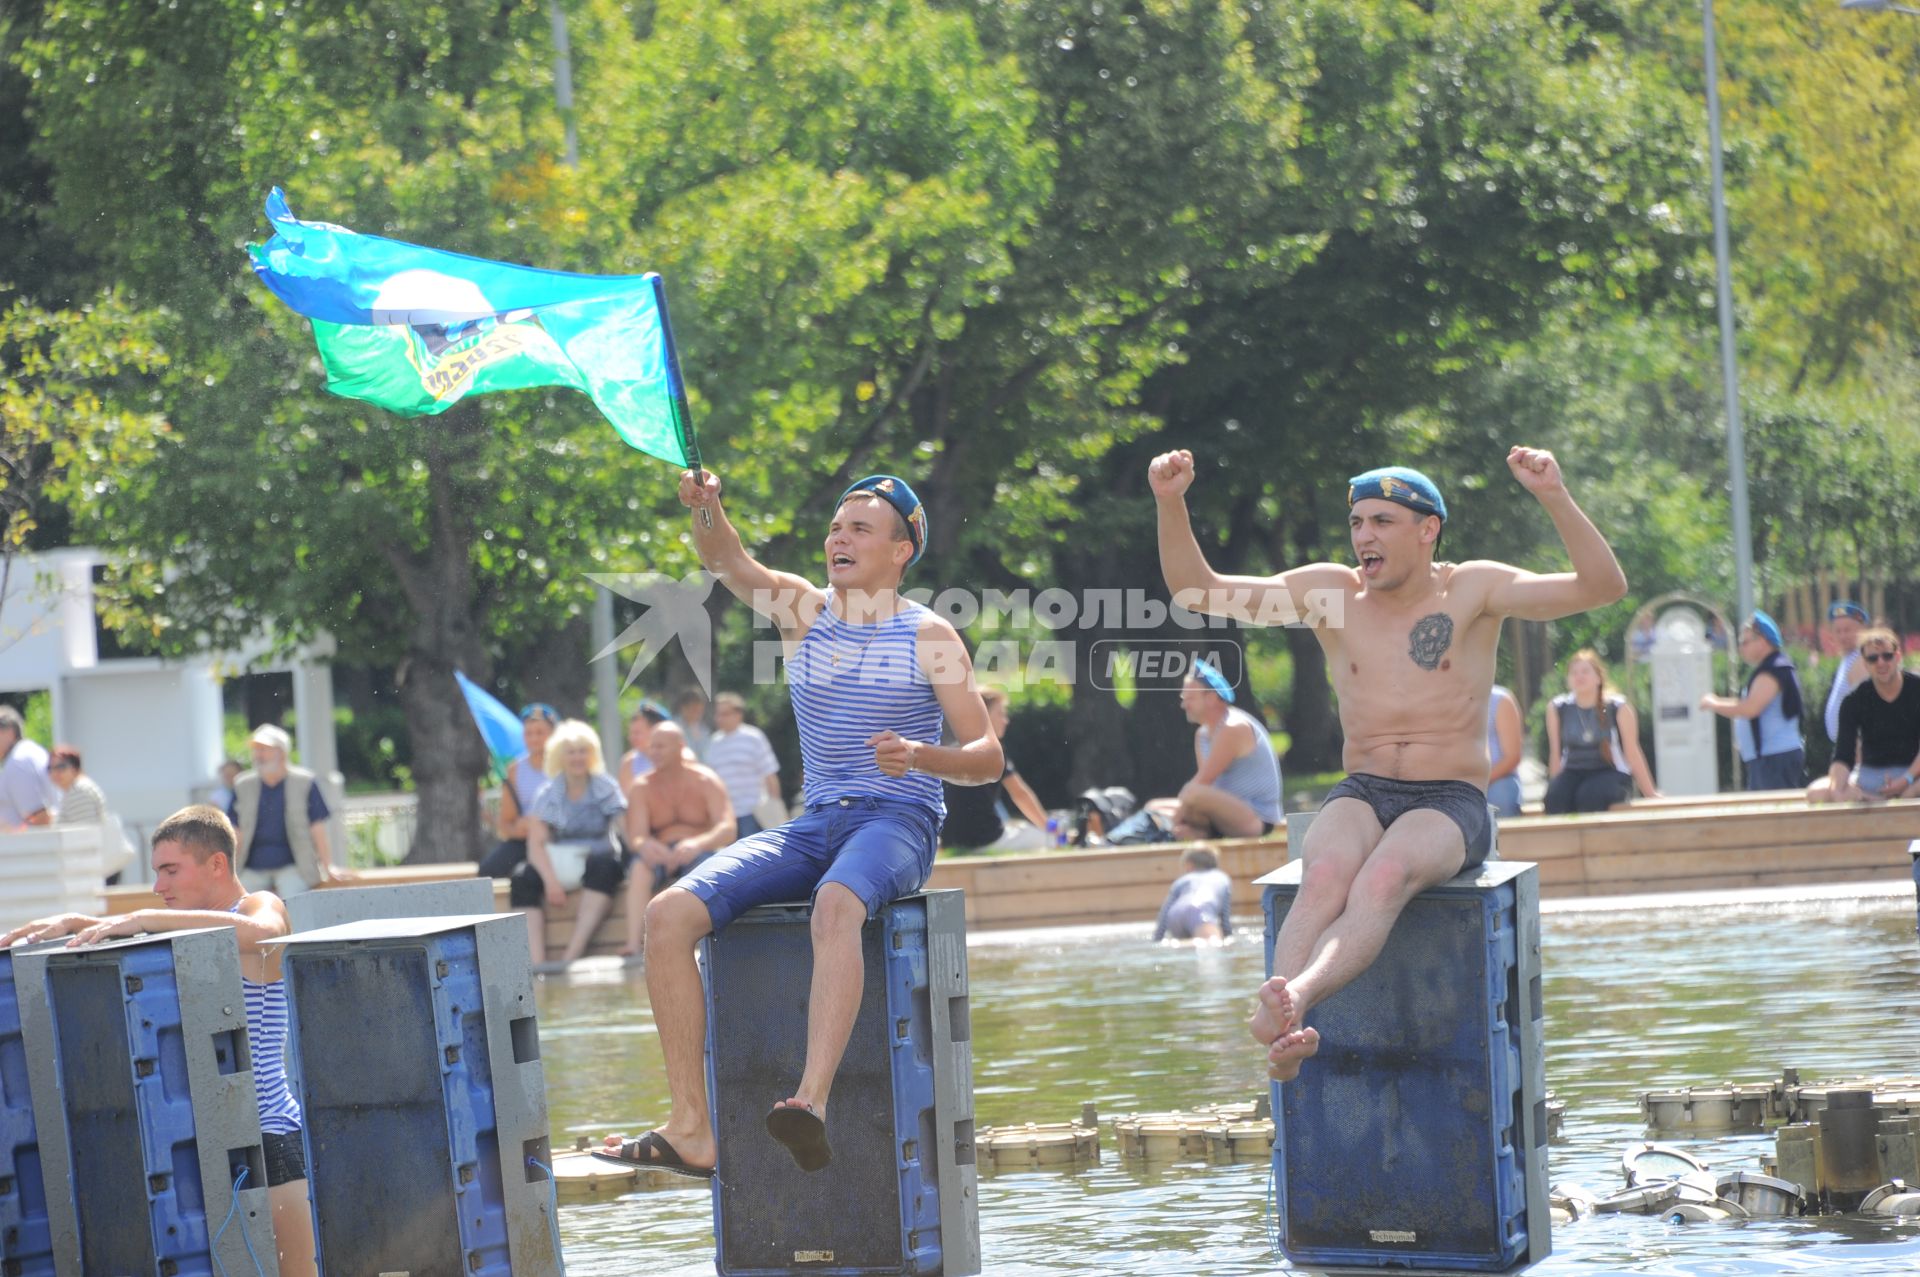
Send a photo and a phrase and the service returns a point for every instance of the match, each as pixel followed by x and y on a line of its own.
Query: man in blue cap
pixel 1410 645
pixel 1235 790
pixel 1769 705
pixel 1845 620
pixel 873 677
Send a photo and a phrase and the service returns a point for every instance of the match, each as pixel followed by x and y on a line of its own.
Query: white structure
pixel 149 730
pixel 1684 747
pixel 48 871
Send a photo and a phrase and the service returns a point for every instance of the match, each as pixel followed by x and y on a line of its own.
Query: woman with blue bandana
pixel 873 676
pixel 1410 645
pixel 1766 714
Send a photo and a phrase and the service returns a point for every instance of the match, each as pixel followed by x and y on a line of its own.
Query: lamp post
pixel 1729 367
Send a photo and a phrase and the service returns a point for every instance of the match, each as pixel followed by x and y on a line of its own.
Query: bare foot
pixel 1289 1052
pixel 1275 1014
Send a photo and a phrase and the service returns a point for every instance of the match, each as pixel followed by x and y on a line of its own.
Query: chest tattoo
pixel 1431 637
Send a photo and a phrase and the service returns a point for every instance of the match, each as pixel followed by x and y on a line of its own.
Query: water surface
pixel 1643 1000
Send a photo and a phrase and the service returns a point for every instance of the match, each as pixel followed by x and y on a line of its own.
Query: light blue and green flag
pixel 415 330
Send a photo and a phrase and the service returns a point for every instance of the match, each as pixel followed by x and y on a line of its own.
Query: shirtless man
pixel 194 877
pixel 678 814
pixel 1410 644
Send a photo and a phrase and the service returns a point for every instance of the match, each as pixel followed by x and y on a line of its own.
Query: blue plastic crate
pixel 26 1240
pixel 387 1052
pixel 144 1116
pixel 877 1209
pixel 1415 1137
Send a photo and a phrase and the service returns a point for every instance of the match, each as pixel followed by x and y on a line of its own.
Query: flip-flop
pixel 652 1150
pixel 804 1132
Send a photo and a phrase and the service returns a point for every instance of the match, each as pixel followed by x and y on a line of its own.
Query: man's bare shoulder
pixel 705 774
pixel 1323 576
pixel 935 628
pixel 1475 578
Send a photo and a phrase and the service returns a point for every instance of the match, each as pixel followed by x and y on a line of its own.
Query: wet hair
pixel 201 829
pixel 1200 857
pixel 569 733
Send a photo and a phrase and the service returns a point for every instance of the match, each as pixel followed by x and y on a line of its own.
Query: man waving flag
pixel 414 330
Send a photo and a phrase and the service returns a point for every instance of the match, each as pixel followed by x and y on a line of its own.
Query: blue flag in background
pixel 414 330
pixel 499 726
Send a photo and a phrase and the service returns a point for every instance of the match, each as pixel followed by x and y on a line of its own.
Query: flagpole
pixel 682 411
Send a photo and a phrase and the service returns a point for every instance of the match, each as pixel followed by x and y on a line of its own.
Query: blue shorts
pixel 1871 776
pixel 878 850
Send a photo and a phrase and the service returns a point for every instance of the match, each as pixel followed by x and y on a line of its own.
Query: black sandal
pixel 804 1132
pixel 652 1150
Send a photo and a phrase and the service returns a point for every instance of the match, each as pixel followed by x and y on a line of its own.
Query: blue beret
pixel 1766 628
pixel 896 492
pixel 1204 671
pixel 1846 608
pixel 1399 485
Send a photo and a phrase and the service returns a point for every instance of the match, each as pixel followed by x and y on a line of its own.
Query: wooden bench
pixel 1726 841
pixel 1736 798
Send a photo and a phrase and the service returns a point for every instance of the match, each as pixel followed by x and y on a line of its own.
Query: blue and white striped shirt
pixel 267 1045
pixel 876 685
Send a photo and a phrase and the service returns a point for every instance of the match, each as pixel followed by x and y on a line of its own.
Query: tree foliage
pixel 1009 249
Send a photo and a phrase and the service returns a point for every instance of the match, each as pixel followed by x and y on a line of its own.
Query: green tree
pixel 75 402
pixel 841 170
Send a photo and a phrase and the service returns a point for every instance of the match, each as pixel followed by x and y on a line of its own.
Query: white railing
pixel 380 827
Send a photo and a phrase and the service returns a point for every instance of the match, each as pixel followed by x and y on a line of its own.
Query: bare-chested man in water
pixel 678 814
pixel 1410 644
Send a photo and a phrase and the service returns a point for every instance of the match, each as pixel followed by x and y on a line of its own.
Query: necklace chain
pixel 860 651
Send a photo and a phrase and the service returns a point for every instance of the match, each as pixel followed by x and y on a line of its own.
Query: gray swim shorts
pixel 1465 805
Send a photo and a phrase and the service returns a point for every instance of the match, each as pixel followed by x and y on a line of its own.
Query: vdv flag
pixel 414 330
pixel 499 726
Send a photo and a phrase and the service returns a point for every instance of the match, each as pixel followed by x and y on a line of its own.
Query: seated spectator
pixel 27 793
pixel 690 711
pixel 1235 791
pixel 679 815
pixel 1876 755
pixel 1199 904
pixel 634 763
pixel 977 816
pixel 281 816
pixel 1505 745
pixel 573 839
pixel 81 802
pixel 1593 743
pixel 743 757
pixel 526 777
pixel 1845 620
pixel 222 795
pixel 1766 714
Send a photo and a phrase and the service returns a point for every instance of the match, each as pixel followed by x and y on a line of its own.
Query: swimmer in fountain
pixel 1410 644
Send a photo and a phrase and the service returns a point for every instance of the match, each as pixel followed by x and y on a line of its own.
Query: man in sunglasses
pixel 1876 755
